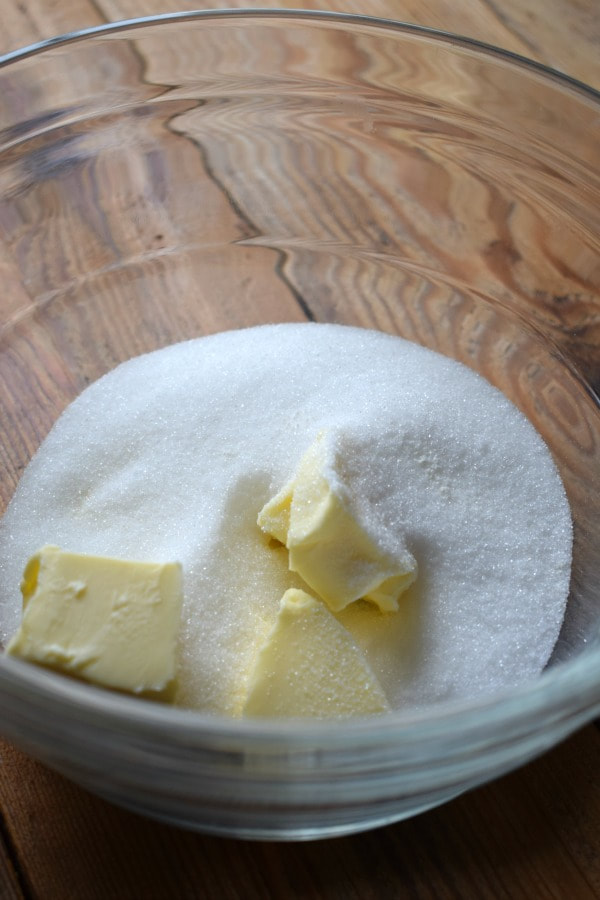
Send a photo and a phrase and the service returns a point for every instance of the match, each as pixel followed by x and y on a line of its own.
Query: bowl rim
pixel 570 691
pixel 299 14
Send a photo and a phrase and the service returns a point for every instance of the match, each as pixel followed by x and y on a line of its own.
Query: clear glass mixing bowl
pixel 166 178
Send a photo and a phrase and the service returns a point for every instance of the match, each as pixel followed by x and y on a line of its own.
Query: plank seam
pixel 13 856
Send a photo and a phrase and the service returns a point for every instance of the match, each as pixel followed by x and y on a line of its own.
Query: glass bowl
pixel 171 177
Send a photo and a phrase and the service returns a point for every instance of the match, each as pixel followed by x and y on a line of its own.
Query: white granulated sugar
pixel 172 455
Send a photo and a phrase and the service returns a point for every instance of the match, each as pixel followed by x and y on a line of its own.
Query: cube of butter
pixel 327 546
pixel 109 621
pixel 310 666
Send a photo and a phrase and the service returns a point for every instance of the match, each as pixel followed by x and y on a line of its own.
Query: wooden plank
pixel 533 833
pixel 544 30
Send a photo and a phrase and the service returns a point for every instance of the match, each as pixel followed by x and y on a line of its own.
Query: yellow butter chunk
pixel 328 548
pixel 310 666
pixel 110 621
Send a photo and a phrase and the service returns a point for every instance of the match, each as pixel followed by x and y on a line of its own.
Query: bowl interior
pixel 220 172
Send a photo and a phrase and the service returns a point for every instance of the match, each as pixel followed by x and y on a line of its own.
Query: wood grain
pixel 545 31
pixel 532 834
pixel 26 23
pixel 560 33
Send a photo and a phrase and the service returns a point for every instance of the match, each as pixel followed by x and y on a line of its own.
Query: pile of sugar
pixel 172 455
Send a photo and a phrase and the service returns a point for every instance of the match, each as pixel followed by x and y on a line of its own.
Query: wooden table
pixel 534 833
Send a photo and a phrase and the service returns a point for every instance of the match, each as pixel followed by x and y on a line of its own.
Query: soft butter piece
pixel 110 621
pixel 328 548
pixel 310 666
